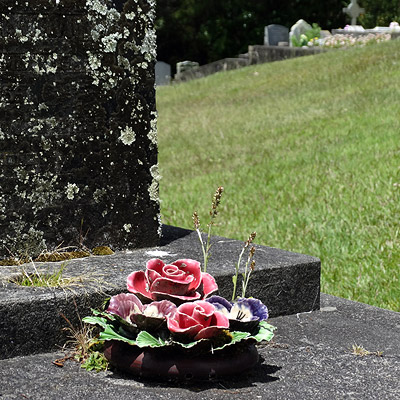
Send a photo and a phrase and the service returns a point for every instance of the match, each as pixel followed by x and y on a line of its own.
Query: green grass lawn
pixel 308 151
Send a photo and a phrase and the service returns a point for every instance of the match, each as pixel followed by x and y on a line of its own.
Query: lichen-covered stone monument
pixel 78 149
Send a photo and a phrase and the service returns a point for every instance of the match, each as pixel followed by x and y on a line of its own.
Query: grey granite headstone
pixel 78 150
pixel 163 73
pixel 273 34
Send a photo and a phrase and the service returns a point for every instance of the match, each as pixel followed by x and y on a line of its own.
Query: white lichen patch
pixel 20 36
pixel 98 195
pixel 94 61
pixel 148 47
pixel 97 6
pixel 27 239
pixel 127 136
pixel 152 135
pixel 42 106
pixel 42 189
pixel 159 229
pixel 130 16
pixel 127 227
pixel 123 62
pixel 110 42
pixel 153 188
pixel 71 190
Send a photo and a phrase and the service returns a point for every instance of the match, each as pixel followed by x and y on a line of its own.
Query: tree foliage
pixel 208 30
pixel 379 13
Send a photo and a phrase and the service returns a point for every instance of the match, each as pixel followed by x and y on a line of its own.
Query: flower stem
pixel 204 250
pixel 248 271
pixel 208 247
pixel 235 277
pixel 213 213
pixel 246 275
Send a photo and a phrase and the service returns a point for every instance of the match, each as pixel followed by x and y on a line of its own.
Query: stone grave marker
pixel 274 34
pixel 354 11
pixel 185 65
pixel 163 73
pixel 298 29
pixel 78 148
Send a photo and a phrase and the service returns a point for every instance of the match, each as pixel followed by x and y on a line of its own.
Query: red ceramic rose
pixel 197 320
pixel 178 282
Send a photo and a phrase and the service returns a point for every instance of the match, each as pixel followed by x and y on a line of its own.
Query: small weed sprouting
pixel 206 246
pixel 96 361
pixel 55 278
pixel 44 279
pixel 58 254
pixel 86 348
pixel 361 351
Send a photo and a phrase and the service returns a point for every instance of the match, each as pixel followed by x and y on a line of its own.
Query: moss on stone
pixel 68 255
pixel 102 251
pixel 10 261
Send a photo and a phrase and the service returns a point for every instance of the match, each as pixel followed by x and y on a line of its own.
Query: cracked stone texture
pixel 78 149
pixel 30 319
pixel 309 358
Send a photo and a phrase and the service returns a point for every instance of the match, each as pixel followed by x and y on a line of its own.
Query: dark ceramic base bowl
pixel 180 365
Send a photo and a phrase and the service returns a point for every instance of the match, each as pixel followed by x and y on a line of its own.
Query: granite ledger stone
pixel 78 145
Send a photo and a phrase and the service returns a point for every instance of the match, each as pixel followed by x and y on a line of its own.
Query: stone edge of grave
pixel 310 357
pixel 34 320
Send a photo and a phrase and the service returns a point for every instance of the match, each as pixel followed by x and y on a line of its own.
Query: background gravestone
pixel 163 73
pixel 299 28
pixel 273 34
pixel 78 151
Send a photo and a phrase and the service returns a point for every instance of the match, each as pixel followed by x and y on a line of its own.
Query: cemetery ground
pixel 308 151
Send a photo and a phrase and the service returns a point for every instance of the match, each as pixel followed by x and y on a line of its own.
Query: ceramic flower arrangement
pixel 171 314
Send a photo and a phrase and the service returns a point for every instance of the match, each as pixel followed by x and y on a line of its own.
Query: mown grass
pixel 308 151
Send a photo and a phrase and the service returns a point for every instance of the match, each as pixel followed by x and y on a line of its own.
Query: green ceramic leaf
pixel 189 345
pixel 110 334
pixel 145 339
pixel 105 314
pixel 266 332
pixel 96 321
pixel 238 336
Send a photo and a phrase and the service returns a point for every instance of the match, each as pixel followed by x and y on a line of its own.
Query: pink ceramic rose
pixel 197 320
pixel 178 282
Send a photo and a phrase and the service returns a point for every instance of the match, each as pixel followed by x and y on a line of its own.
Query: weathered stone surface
pixel 261 54
pixel 30 319
pixel 78 152
pixel 226 64
pixel 309 358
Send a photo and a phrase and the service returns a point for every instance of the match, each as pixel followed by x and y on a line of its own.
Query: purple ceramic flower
pixel 248 310
pixel 243 314
pixel 124 305
pixel 147 317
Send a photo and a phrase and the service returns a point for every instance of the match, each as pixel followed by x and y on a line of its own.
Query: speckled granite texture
pixel 78 145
